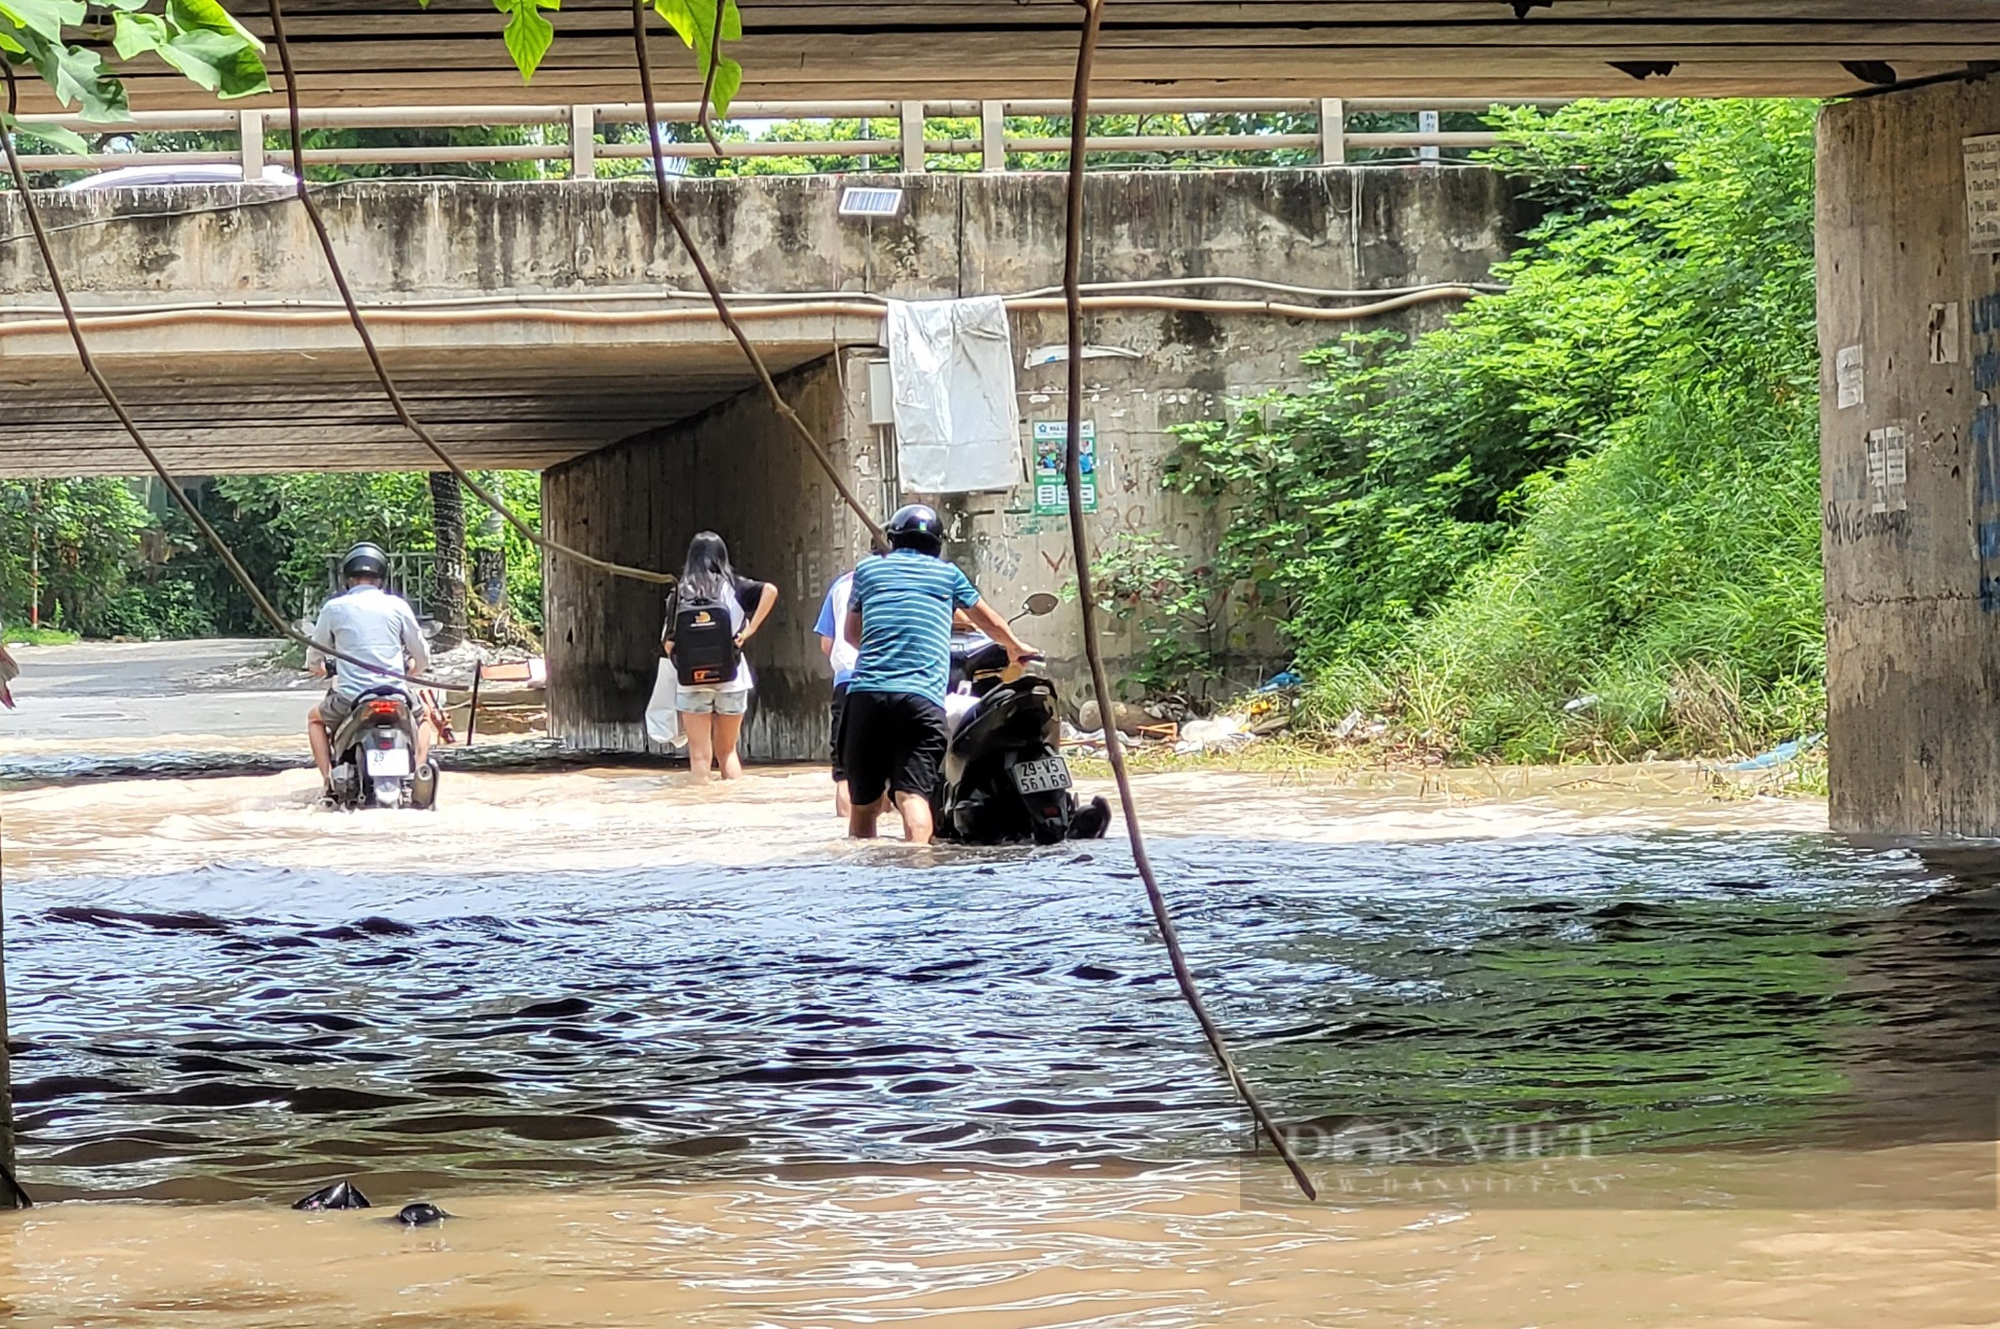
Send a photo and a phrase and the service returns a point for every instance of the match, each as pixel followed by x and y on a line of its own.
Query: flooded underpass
pixel 1563 1048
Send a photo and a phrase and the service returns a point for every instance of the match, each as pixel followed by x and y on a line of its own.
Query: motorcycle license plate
pixel 389 763
pixel 1042 776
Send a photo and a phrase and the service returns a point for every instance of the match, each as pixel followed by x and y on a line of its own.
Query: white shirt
pixel 845 653
pixel 369 624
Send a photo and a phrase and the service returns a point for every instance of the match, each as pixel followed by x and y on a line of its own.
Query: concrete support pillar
pixel 1909 324
pixel 737 470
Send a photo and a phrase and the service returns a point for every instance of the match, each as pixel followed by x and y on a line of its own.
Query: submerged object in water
pixel 340 1195
pixel 420 1215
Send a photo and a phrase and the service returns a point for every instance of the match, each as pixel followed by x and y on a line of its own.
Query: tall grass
pixel 1581 518
pixel 1662 593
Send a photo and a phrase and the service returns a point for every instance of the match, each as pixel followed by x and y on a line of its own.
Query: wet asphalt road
pixel 98 692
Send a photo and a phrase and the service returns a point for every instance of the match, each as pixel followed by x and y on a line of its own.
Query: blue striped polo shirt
pixel 906 601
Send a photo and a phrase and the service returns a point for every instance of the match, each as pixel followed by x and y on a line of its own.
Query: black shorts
pixel 891 741
pixel 839 712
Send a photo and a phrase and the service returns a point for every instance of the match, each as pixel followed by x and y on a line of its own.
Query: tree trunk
pixel 448 574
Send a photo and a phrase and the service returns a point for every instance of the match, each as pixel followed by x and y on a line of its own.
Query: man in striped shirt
pixel 900 612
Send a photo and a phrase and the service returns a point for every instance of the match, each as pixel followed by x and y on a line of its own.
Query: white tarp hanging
pixel 951 366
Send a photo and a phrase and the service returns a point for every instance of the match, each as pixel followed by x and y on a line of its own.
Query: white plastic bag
pixel 663 720
pixel 951 368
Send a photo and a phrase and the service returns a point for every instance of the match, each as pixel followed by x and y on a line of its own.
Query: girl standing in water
pixel 710 614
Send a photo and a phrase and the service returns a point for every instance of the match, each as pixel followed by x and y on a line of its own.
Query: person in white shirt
pixel 372 626
pixel 841 655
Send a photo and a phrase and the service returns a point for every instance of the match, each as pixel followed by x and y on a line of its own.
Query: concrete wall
pixel 1912 568
pixel 740 471
pixel 737 469
pixel 533 322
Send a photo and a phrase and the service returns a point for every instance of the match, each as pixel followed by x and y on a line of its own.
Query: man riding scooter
pixel 368 624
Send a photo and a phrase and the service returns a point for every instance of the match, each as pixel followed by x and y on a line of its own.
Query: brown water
pixel 1590 1048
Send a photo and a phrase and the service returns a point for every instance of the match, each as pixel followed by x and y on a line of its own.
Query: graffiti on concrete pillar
pixel 1985 441
pixel 996 558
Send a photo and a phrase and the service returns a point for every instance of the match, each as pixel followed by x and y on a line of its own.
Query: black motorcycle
pixel 374 755
pixel 1004 775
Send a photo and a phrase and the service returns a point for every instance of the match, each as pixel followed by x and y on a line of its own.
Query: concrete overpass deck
pixel 390 52
pixel 533 322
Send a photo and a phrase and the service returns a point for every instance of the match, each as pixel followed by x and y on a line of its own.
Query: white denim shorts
pixel 705 701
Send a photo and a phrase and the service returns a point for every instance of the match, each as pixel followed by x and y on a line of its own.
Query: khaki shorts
pixel 705 701
pixel 334 708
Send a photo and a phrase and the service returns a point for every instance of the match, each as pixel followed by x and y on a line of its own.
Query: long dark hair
pixel 707 575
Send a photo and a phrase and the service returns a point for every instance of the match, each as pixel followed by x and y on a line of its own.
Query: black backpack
pixel 704 638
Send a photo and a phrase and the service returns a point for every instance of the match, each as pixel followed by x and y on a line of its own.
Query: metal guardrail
pixel 577 129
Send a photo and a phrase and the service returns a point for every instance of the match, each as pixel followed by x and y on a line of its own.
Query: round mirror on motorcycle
pixel 1041 604
pixel 431 627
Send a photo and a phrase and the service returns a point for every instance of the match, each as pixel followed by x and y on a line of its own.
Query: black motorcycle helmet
pixel 365 560
pixel 917 526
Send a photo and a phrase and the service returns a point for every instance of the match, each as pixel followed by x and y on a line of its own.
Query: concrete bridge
pixel 536 325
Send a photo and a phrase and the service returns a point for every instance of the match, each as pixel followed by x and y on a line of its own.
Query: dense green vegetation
pixel 1581 518
pixel 105 561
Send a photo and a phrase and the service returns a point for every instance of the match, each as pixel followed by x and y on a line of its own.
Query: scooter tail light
pixel 383 707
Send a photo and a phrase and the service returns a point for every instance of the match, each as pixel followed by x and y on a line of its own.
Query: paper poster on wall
pixel 1847 376
pixel 1888 469
pixel 1051 464
pixel 1982 192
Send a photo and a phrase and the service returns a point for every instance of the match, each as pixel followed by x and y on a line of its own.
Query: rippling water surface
pixel 244 1031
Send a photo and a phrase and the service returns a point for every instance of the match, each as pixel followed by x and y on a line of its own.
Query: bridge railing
pixel 575 137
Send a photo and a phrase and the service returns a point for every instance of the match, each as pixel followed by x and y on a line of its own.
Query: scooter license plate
pixel 1041 776
pixel 389 763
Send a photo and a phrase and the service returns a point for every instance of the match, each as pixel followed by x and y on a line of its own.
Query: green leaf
pixel 217 61
pixel 44 18
pixel 201 40
pixel 694 22
pixel 528 35
pixel 210 16
pixel 678 17
pixel 77 77
pixel 728 81
pixel 134 34
pixel 62 140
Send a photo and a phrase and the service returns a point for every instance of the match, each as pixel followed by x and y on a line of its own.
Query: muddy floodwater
pixel 1562 1048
